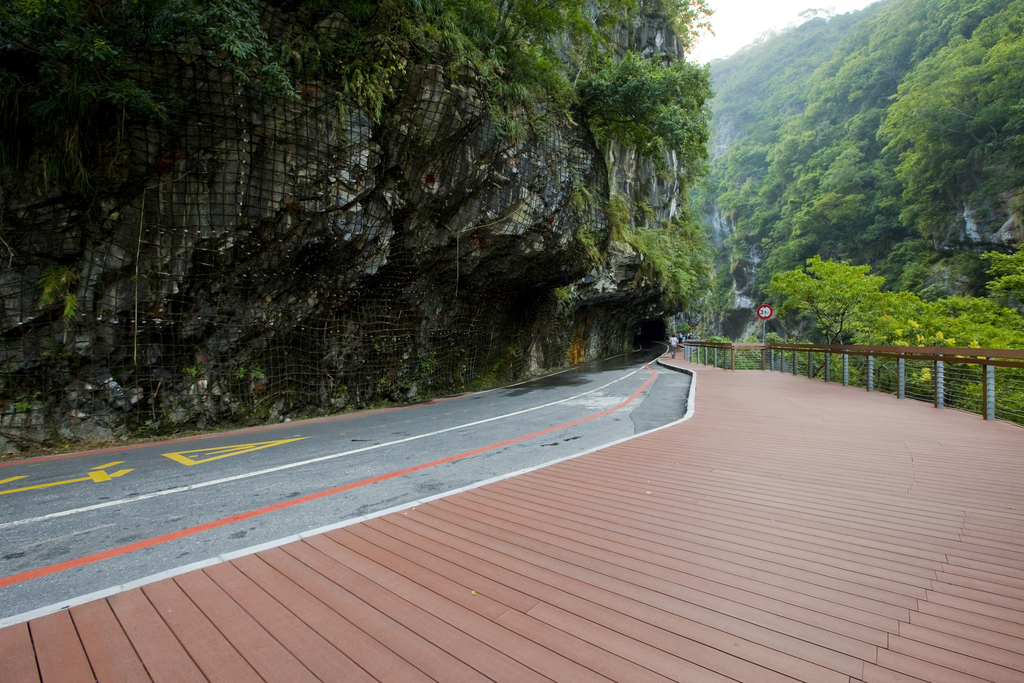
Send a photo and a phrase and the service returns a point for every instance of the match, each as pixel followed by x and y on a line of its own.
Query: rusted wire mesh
pixel 264 255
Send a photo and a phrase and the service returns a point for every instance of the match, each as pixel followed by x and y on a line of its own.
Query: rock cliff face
pixel 267 257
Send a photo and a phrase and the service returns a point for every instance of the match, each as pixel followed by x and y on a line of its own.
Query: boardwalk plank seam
pixel 830 552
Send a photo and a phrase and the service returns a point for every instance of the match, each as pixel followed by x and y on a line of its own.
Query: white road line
pixel 269 470
pixel 227 557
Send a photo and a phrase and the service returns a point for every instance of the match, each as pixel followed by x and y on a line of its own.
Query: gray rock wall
pixel 267 257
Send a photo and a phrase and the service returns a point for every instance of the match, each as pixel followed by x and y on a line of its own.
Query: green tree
pixel 904 319
pixel 834 293
pixel 1009 273
pixel 846 302
pixel 958 124
pixel 856 137
pixel 653 108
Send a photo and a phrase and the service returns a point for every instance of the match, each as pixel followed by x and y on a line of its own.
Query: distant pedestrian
pixel 673 343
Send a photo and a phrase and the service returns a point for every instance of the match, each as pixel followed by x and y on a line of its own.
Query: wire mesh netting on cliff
pixel 268 255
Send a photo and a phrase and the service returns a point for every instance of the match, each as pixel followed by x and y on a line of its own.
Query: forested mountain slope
pixel 892 137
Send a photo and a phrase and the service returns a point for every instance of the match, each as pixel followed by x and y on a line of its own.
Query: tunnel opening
pixel 649 331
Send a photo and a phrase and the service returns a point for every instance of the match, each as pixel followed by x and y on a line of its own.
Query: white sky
pixel 738 22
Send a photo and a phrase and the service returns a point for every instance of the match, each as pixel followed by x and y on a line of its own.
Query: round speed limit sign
pixel 764 311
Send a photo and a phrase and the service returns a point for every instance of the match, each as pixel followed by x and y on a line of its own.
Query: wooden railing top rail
pixel 1001 357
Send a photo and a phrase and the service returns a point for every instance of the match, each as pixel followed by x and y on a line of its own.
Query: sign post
pixel 764 312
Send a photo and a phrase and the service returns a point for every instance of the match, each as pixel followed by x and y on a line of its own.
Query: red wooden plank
pixel 984 607
pixel 982 594
pixel 263 653
pixel 59 651
pixel 456 643
pixel 580 649
pixel 970 618
pixel 723 598
pixel 212 653
pixel 17 657
pixel 620 607
pixel 651 560
pixel 877 674
pixel 464 595
pixel 485 584
pixel 956 559
pixel 456 607
pixel 384 648
pixel 923 669
pixel 111 654
pixel 998 589
pixel 970 632
pixel 985 650
pixel 843 552
pixel 312 649
pixel 773 577
pixel 163 656
pixel 981 573
pixel 712 538
pixel 707 556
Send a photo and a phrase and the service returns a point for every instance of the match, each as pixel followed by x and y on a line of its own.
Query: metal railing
pixel 989 382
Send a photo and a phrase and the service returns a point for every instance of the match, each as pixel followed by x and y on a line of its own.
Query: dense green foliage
pixel 867 138
pixel 75 74
pixel 651 108
pixel 848 305
pixel 674 254
pixel 834 293
pixel 1009 272
pixel 72 72
pixel 959 123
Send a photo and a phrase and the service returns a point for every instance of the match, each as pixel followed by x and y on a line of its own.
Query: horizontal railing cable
pixel 989 382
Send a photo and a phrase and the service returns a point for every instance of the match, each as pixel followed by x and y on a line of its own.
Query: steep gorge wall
pixel 267 257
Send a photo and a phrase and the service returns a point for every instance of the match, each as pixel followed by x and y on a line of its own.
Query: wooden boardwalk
pixel 790 531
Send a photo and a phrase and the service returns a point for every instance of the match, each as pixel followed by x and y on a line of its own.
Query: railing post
pixel 846 369
pixel 828 364
pixel 990 391
pixel 871 373
pixel 764 357
pixel 734 358
pixel 716 356
pixel 773 360
pixel 794 361
pixel 902 372
pixel 810 365
pixel 940 384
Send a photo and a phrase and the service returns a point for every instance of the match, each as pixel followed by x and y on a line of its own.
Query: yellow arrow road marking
pixel 92 476
pixel 225 451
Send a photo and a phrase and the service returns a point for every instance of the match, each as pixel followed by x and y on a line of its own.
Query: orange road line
pixel 191 531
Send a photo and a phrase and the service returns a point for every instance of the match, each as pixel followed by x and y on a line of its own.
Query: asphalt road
pixel 78 523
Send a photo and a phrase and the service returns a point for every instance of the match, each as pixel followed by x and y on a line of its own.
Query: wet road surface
pixel 79 523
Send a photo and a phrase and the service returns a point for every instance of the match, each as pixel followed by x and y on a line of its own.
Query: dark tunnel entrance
pixel 649 331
